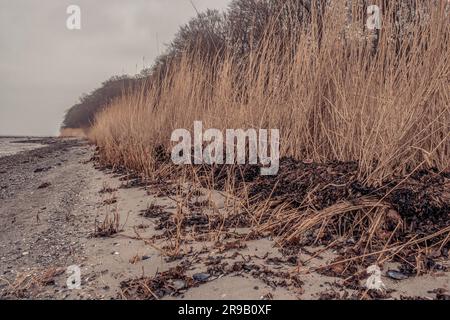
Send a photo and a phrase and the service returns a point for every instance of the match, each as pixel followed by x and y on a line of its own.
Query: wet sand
pixel 13 145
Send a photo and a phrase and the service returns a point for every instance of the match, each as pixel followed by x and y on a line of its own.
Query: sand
pixel 50 200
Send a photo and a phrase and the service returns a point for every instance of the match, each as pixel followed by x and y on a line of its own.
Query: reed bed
pixel 335 94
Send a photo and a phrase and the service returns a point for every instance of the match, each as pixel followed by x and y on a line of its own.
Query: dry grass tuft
pixel 109 227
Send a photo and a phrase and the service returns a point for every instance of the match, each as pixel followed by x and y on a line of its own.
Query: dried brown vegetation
pixel 109 227
pixel 365 130
pixel 27 284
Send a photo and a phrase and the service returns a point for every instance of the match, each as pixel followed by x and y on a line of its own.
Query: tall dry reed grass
pixel 332 96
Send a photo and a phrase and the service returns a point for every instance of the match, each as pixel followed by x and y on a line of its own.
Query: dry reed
pixel 332 98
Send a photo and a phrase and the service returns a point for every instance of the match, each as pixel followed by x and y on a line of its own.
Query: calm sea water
pixel 9 147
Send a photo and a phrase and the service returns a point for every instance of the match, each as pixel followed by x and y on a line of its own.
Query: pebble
pixel 201 277
pixel 396 275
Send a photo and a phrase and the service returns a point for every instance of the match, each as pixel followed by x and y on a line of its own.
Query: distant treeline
pixel 236 32
pixel 82 114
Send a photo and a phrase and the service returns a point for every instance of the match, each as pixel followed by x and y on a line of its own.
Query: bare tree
pixel 204 34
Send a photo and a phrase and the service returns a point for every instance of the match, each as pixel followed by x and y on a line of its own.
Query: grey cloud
pixel 44 67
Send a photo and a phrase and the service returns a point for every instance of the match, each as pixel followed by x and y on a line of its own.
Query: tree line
pixel 237 31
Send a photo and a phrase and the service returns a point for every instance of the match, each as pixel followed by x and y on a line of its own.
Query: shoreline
pixel 55 197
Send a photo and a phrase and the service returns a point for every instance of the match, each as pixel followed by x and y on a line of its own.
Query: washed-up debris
pixel 169 283
pixel 27 284
pixel 267 297
pixel 154 211
pixel 110 201
pixel 290 261
pixel 44 185
pixel 420 196
pixel 396 275
pixel 135 259
pixel 441 294
pixel 232 245
pixel 329 295
pixel 339 205
pixel 373 294
pixel 45 169
pixel 213 261
pixel 107 189
pixel 272 278
pixel 318 203
pixel 413 298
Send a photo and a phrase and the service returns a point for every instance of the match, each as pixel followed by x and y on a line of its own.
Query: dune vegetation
pixel 364 118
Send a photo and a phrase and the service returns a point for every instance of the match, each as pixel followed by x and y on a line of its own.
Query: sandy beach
pixel 54 198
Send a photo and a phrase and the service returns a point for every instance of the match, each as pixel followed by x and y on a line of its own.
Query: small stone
pixel 396 275
pixel 201 277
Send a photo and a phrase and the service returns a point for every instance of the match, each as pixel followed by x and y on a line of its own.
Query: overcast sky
pixel 44 67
